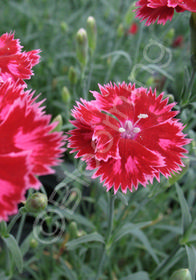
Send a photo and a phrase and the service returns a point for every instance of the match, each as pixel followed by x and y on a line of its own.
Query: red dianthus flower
pixel 28 146
pixel 128 135
pixel 162 10
pixel 15 64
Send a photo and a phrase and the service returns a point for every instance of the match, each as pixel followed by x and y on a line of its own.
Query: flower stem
pixel 18 236
pixel 108 235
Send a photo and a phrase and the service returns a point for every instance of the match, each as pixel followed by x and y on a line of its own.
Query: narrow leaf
pixel 137 276
pixel 14 249
pixel 191 254
pixel 92 237
pixel 186 216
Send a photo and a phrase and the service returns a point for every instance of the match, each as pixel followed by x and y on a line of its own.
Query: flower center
pixel 128 130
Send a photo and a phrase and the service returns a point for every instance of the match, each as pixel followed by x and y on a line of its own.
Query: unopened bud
pixel 64 26
pixel 82 46
pixel 169 36
pixel 33 243
pixel 170 98
pixel 66 96
pixel 181 274
pixel 36 203
pixel 130 15
pixel 72 75
pixel 92 33
pixel 73 230
pixel 120 30
pixel 58 119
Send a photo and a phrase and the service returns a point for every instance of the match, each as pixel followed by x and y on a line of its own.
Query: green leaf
pixel 92 237
pixel 137 276
pixel 134 229
pixel 191 254
pixel 186 216
pixel 14 249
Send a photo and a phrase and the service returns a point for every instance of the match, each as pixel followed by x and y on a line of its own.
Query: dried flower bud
pixel 181 274
pixel 92 33
pixel 36 203
pixel 82 46
pixel 72 75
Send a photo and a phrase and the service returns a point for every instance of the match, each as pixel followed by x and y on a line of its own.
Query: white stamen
pixel 142 116
pixel 121 130
pixel 136 130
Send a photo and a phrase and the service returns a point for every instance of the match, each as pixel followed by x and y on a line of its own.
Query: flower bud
pixel 73 230
pixel 64 26
pixel 181 274
pixel 66 96
pixel 72 75
pixel 33 243
pixel 130 15
pixel 169 36
pixel 82 46
pixel 120 30
pixel 36 203
pixel 58 119
pixel 92 33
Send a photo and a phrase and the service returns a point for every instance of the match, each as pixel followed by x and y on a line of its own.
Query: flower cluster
pixel 128 136
pixel 28 146
pixel 162 10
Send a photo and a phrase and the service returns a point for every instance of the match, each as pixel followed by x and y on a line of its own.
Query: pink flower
pixel 15 64
pixel 28 146
pixel 128 135
pixel 162 10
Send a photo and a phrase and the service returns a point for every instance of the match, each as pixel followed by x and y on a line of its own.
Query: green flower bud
pixel 58 119
pixel 181 274
pixel 66 96
pixel 82 46
pixel 33 243
pixel 72 75
pixel 169 36
pixel 73 230
pixel 64 26
pixel 130 14
pixel 193 40
pixel 92 33
pixel 171 98
pixel 36 203
pixel 120 30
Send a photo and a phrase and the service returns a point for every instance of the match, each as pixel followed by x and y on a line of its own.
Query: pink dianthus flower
pixel 28 147
pixel 15 64
pixel 162 10
pixel 128 136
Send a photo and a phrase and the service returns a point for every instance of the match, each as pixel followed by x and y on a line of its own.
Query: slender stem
pixel 13 221
pixel 191 82
pixel 18 236
pixel 109 231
